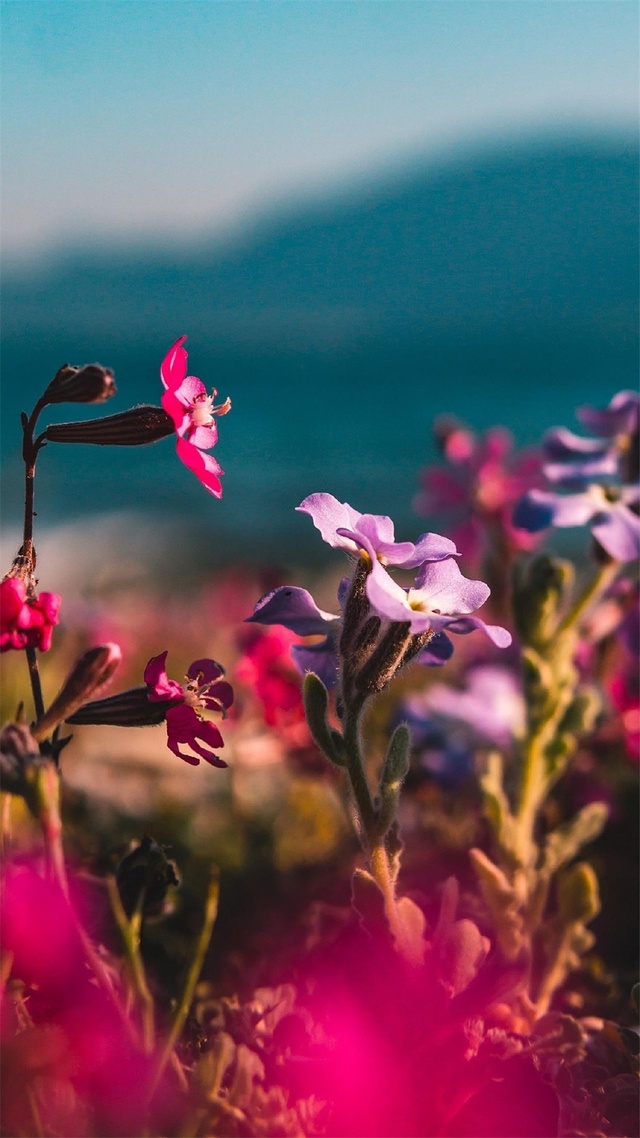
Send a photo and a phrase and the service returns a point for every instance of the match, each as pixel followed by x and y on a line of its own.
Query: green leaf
pixel 502 902
pixel 566 841
pixel 316 705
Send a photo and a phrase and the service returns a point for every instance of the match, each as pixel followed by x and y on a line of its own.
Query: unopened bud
pixel 386 659
pixel 131 708
pixel 89 384
pixel 144 877
pixel 356 606
pixel 89 676
pixel 136 427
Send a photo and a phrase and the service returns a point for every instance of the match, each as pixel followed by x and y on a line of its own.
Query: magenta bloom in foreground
pixel 193 413
pixel 204 690
pixel 26 622
pixel 441 599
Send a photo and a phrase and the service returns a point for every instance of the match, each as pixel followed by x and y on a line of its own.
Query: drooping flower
pixel 193 412
pixel 604 473
pixel 477 488
pixel 342 527
pixel 26 621
pixel 441 599
pixel 204 691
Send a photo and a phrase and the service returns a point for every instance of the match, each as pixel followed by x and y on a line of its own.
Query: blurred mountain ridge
pixel 500 286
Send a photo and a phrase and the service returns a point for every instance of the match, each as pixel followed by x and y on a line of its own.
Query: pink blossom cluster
pixel 26 621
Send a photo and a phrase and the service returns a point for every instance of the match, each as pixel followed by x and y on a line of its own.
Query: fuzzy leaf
pixel 316 705
pixel 578 894
pixel 564 843
pixel 502 902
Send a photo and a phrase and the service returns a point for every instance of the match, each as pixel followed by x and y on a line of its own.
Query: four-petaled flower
pixel 26 621
pixel 204 690
pixel 441 599
pixel 193 412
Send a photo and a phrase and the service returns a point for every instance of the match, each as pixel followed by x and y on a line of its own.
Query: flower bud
pixel 89 675
pixel 89 384
pixel 144 877
pixel 387 658
pixel 136 427
pixel 131 708
pixel 18 750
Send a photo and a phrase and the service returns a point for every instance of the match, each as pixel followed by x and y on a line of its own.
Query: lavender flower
pixel 296 610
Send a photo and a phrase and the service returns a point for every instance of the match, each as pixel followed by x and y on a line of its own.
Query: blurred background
pixel 362 215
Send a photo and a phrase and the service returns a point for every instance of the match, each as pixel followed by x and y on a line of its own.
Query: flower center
pixel 202 410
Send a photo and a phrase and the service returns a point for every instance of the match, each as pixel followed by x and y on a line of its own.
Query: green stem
pixel 601 581
pixel 193 975
pixel 130 933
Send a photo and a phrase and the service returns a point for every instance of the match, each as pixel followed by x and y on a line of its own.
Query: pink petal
pixel 176 411
pixel 208 669
pixel 189 390
pixel 158 682
pixel 219 697
pixel 12 596
pixel 204 466
pixel 174 365
pixel 203 437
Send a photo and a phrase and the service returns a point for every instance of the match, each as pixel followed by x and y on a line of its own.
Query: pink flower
pixel 185 723
pixel 265 666
pixel 186 401
pixel 477 489
pixel 26 621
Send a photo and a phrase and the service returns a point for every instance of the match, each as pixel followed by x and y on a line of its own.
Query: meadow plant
pixel 436 982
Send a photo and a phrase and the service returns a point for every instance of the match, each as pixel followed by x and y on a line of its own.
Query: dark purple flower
pixel 204 691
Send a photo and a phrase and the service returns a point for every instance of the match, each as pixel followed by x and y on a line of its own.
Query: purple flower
pixel 613 524
pixel 583 464
pixel 296 610
pixel 204 690
pixel 342 527
pixel 491 707
pixel 441 599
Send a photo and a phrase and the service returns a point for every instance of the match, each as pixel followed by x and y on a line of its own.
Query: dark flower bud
pixel 131 708
pixel 388 657
pixel 136 427
pixel 144 877
pixel 89 675
pixel 89 384
pixel 356 606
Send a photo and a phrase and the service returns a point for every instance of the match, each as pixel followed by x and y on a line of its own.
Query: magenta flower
pixel 442 599
pixel 26 621
pixel 477 488
pixel 193 412
pixel 204 691
pixel 342 527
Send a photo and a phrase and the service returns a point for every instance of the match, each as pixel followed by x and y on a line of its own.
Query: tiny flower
pixel 204 690
pixel 26 621
pixel 193 413
pixel 441 599
pixel 342 527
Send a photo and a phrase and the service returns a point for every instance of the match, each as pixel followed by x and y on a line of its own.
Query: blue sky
pixel 152 117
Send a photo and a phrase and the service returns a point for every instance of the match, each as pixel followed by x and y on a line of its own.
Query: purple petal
pixel 294 608
pixel 156 678
pixel 208 670
pixel 446 590
pixel 437 652
pixel 328 514
pixel 620 417
pixel 389 600
pixel 619 532
pixel 540 509
pixel 465 624
pixel 559 444
pixel 219 697
pixel 319 658
pixel 429 547
pixel 578 473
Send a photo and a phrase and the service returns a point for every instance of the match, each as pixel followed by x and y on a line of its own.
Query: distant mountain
pixel 499 285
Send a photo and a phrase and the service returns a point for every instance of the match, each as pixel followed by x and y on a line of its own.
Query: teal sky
pixel 149 117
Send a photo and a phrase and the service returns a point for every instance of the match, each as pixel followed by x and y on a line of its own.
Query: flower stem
pixel 130 933
pixel 36 685
pixel 193 975
pixel 599 583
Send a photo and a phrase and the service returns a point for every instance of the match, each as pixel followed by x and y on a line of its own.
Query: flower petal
pixel 560 443
pixel 203 437
pixel 540 509
pixel 204 466
pixel 619 532
pixel 437 652
pixel 174 365
pixel 319 658
pixel 446 590
pixel 205 670
pixel 157 681
pixel 389 600
pixel 294 608
pixel 219 697
pixel 429 547
pixel 620 417
pixel 190 389
pixel 176 411
pixel 328 515
pixel 465 624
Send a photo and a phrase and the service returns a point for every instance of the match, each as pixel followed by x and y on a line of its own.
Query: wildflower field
pixel 346 852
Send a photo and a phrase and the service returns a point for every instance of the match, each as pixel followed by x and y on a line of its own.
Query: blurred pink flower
pixel 266 667
pixel 26 622
pixel 193 413
pixel 476 491
pixel 204 690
